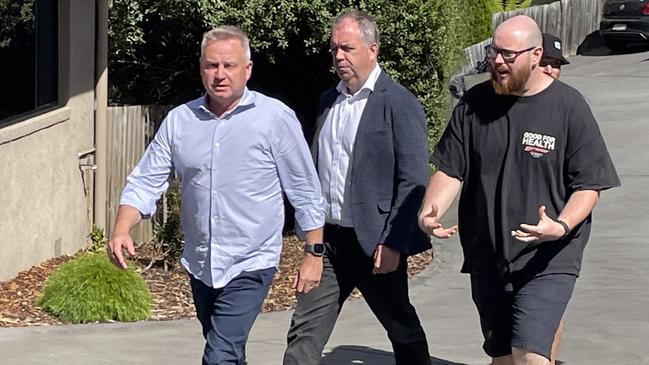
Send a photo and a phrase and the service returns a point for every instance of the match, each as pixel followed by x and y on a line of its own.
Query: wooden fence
pixel 475 53
pixel 570 20
pixel 130 128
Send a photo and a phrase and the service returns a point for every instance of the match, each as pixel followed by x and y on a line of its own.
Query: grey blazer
pixel 389 167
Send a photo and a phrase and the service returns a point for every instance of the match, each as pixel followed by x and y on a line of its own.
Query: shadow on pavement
pixel 593 45
pixel 351 355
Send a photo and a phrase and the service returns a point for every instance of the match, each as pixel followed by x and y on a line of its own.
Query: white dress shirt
pixel 336 149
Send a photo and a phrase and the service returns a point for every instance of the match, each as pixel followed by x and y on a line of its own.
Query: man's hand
pixel 308 277
pixel 386 260
pixel 546 230
pixel 117 243
pixel 428 223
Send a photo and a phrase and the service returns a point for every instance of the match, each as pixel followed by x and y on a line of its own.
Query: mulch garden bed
pixel 170 291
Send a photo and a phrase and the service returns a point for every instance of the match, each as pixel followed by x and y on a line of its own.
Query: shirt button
pixel 217 145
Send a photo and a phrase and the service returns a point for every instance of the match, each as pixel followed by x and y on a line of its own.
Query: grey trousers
pixel 345 267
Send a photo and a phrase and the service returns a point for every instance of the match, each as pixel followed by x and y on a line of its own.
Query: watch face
pixel 319 249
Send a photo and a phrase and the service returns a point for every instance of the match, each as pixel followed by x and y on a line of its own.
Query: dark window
pixel 28 58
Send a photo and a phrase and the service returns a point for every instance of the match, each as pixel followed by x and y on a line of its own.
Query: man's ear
pixel 374 49
pixel 537 54
pixel 248 70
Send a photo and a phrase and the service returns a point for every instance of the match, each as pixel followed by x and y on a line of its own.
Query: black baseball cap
pixel 552 48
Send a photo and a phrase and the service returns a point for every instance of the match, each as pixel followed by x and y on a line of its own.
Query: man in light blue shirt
pixel 235 152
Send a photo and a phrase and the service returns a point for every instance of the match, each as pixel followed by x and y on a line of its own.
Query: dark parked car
pixel 624 22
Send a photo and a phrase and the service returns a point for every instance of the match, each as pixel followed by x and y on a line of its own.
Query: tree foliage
pixel 507 5
pixel 16 22
pixel 154 47
pixel 480 19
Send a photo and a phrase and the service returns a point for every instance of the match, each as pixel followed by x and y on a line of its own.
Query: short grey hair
pixel 226 32
pixel 366 23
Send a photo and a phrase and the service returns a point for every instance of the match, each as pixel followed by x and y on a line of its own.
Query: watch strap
pixel 311 248
pixel 566 229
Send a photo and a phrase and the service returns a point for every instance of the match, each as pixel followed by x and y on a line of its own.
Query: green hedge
pixel 154 47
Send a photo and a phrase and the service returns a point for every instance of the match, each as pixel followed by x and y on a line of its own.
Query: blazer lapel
pixel 372 115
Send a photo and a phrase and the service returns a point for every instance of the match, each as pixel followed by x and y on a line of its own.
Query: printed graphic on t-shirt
pixel 537 144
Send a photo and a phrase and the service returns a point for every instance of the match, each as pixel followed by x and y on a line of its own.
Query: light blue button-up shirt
pixel 232 169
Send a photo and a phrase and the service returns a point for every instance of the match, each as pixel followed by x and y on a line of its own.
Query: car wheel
pixel 615 45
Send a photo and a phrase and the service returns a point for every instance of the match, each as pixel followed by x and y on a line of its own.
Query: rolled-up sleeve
pixel 297 173
pixel 149 179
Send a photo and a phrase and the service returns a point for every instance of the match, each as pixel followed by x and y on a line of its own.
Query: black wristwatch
pixel 316 249
pixel 566 229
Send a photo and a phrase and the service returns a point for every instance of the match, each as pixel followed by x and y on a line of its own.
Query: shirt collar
pixel 247 99
pixel 368 86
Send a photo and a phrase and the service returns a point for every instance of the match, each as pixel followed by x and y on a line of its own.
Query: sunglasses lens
pixel 551 63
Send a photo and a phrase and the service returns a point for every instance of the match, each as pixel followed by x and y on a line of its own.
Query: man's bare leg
pixel 525 357
pixel 555 344
pixel 503 360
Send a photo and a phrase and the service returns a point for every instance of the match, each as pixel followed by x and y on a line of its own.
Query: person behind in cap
pixel 552 58
pixel 551 62
pixel 526 155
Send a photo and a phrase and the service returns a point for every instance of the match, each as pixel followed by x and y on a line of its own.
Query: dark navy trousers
pixel 345 267
pixel 227 314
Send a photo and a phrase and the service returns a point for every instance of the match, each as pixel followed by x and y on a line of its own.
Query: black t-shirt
pixel 513 155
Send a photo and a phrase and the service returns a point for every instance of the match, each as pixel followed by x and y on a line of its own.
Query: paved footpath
pixel 607 321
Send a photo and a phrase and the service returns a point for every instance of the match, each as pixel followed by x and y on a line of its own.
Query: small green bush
pixel 91 289
pixel 97 240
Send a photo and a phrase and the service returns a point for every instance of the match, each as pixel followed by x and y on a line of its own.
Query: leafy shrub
pixel 507 5
pixel 481 13
pixel 479 18
pixel 97 240
pixel 91 289
pixel 154 48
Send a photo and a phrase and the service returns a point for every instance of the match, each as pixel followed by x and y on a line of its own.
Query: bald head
pixel 518 32
pixel 515 54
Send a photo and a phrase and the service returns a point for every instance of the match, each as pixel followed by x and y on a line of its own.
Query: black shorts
pixel 526 317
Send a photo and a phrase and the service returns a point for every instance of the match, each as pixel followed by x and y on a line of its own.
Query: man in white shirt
pixel 370 149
